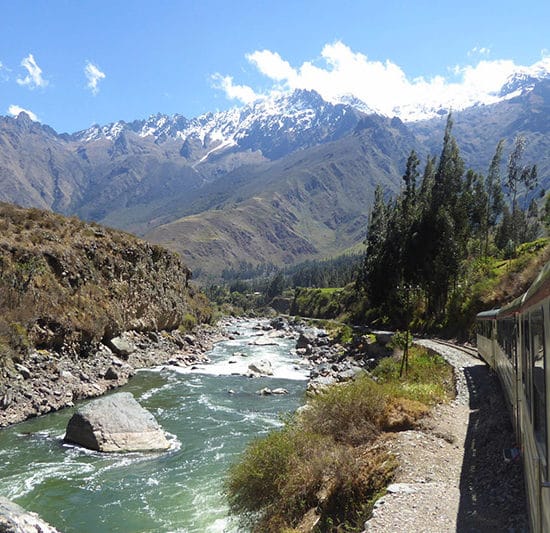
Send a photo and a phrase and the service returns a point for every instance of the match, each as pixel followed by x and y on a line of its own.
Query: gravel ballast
pixel 452 475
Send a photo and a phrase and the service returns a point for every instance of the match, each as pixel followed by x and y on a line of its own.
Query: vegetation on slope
pixel 327 464
pixel 421 245
pixel 66 285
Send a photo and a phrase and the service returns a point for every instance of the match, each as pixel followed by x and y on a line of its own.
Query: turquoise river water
pixel 211 415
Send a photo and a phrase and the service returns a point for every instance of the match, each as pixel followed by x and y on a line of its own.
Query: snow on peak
pixel 287 113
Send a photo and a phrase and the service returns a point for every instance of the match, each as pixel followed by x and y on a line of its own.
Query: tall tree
pixel 495 198
pixel 445 224
pixel 375 256
pixel 520 177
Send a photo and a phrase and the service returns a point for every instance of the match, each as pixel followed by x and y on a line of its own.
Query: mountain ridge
pixel 296 171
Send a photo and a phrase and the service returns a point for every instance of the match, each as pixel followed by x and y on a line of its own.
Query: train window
pixel 506 337
pixel 484 328
pixel 538 358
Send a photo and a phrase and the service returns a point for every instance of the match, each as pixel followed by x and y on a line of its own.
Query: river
pixel 210 414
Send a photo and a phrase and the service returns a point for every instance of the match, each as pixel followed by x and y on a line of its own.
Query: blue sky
pixel 75 63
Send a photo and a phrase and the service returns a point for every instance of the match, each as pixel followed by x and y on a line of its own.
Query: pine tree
pixel 444 224
pixel 374 263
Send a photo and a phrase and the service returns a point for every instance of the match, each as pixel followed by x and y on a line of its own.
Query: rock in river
pixel 262 368
pixel 116 423
pixel 14 519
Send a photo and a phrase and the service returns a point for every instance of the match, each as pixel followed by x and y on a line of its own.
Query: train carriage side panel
pixel 505 361
pixel 535 344
pixel 524 370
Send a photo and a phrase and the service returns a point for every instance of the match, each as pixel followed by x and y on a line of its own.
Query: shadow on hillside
pixel 492 496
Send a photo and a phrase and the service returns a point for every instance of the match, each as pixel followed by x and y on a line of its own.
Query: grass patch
pixel 327 465
pixel 430 378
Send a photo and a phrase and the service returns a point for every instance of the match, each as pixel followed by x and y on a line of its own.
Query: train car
pixel 515 341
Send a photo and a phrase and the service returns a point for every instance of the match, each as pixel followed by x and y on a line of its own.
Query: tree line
pixel 418 241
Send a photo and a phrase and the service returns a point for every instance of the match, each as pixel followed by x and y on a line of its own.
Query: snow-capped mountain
pixel 422 103
pixel 274 126
pixel 277 124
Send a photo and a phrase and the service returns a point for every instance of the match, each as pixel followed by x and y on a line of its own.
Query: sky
pixel 71 64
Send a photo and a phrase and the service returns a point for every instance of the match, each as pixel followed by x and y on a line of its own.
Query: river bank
pixel 49 381
pixel 211 410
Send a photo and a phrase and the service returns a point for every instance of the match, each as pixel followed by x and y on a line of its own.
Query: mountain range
pixel 278 181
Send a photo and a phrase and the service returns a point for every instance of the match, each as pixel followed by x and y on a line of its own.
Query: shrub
pixel 349 413
pixel 254 483
pixel 291 471
pixel 188 323
pixel 430 379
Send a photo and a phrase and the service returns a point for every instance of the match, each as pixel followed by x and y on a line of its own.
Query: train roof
pixel 488 315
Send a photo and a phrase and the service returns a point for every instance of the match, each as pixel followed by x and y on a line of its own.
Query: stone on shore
pixel 14 519
pixel 116 423
pixel 121 346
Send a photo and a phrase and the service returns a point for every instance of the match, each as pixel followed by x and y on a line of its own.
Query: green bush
pixel 187 324
pixel 349 413
pixel 430 378
pixel 292 470
pixel 277 478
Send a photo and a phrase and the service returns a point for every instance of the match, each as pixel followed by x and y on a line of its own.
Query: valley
pixel 276 182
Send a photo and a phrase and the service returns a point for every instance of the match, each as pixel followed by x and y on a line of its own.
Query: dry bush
pixel 402 414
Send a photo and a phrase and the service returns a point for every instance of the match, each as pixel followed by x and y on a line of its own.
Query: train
pixel 515 342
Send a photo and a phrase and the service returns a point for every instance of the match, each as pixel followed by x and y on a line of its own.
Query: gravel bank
pixel 452 474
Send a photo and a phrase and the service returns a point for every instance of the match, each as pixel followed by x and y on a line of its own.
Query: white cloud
pixel 34 77
pixel 383 86
pixel 272 65
pixel 243 93
pixel 14 111
pixel 94 76
pixel 479 50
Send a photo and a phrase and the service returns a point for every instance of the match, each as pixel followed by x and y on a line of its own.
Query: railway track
pixel 469 350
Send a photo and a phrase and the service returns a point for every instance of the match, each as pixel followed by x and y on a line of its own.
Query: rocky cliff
pixel 68 290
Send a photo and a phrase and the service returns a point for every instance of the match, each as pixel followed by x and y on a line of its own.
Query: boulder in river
pixel 14 519
pixel 262 368
pixel 264 342
pixel 116 423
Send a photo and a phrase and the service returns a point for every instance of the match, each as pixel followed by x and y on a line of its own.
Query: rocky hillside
pixel 68 285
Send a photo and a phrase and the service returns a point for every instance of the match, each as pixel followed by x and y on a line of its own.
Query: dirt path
pixel 452 474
